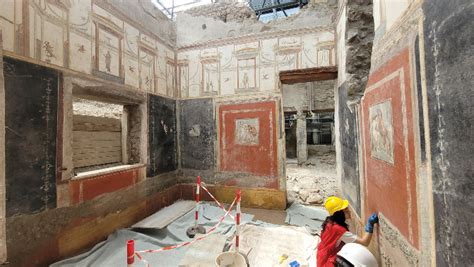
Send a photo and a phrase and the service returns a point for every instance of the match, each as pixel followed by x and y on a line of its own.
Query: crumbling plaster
pixel 359 35
pixel 192 29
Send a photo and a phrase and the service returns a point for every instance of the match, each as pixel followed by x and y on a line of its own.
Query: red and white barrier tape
pixel 237 222
pixel 140 257
pixel 196 216
pixel 215 200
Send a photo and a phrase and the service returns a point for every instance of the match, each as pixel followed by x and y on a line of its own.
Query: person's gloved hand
pixel 373 219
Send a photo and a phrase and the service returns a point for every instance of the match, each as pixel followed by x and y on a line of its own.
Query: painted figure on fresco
pixel 209 87
pixel 246 131
pixel 381 130
pixel 245 81
pixel 108 59
pixel 81 49
pixel 49 49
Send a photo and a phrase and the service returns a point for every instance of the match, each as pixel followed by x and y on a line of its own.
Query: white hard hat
pixel 358 255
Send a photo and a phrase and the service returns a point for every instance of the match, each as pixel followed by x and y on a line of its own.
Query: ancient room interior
pixel 200 132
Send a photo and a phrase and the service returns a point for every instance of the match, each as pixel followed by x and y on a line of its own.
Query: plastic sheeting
pixel 263 243
pixel 265 246
pixel 309 217
pixel 112 252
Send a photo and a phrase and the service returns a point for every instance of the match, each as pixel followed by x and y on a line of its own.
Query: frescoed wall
pixel 248 140
pixel 251 64
pixel 162 135
pixel 381 135
pixel 198 134
pixel 90 37
pixel 30 148
pixel 449 65
pixel 387 118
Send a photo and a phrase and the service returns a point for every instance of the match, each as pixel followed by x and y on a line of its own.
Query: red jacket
pixel 327 250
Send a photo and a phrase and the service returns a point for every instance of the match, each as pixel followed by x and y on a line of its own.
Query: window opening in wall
pixel 320 127
pixel 97 135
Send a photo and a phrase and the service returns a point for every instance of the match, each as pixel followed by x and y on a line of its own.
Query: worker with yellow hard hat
pixel 335 232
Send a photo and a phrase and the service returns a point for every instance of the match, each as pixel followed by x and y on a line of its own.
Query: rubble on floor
pixel 312 182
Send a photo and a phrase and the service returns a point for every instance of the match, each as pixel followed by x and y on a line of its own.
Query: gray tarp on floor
pixel 268 241
pixel 112 252
pixel 309 217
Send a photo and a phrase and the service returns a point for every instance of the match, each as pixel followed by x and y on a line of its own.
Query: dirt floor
pixel 313 181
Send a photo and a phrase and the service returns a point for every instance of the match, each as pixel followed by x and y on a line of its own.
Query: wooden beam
pixel 308 75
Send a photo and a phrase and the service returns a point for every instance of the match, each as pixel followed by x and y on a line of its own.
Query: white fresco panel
pixel 309 57
pixel 80 16
pixel 7 24
pixel 80 53
pixel 101 12
pixel 53 45
pixel 194 74
pixel 267 65
pixel 131 40
pixel 131 71
pixel 8 34
pixel 228 70
pixel 324 56
pixel 246 74
pixel 108 53
pixel 170 78
pixel 184 80
pixel 210 77
pixel 147 78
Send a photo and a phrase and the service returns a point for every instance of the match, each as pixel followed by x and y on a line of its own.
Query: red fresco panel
pixel 107 183
pixel 89 188
pixel 248 138
pixel 389 146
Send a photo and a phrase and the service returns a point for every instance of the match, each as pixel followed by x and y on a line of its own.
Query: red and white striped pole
pixel 198 187
pixel 237 222
pixel 130 252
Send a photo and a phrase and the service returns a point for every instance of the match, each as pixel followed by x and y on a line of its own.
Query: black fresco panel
pixel 197 134
pixel 161 135
pixel 449 50
pixel 349 150
pixel 31 99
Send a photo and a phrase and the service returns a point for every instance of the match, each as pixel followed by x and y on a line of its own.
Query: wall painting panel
pixel 389 146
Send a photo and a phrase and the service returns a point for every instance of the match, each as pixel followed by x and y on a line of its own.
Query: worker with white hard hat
pixel 335 231
pixel 355 255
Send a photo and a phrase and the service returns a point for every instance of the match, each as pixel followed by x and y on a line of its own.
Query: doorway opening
pixel 308 106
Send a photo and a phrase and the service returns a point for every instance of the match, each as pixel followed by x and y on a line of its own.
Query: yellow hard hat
pixel 334 204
